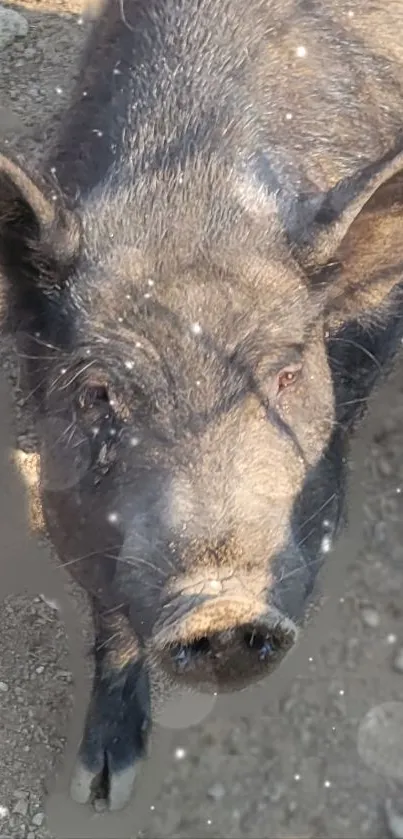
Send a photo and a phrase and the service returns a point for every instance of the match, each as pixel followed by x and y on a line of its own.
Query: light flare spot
pixel 196 328
pixel 326 544
pixel 301 52
pixel 113 517
pixel 180 753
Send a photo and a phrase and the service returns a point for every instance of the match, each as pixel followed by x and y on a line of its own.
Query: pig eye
pixel 94 395
pixel 287 377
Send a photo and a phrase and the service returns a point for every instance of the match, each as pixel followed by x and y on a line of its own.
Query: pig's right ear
pixel 39 237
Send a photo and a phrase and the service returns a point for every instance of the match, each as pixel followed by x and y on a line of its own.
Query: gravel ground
pixel 325 753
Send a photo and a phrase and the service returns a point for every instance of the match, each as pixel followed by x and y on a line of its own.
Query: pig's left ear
pixel 356 230
pixel 39 237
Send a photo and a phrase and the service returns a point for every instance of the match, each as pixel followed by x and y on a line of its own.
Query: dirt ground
pixel 322 757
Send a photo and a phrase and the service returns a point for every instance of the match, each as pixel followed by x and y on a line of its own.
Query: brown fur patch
pixel 121 645
pixel 28 465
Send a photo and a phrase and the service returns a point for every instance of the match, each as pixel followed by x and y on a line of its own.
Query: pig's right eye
pixel 97 393
pixel 94 395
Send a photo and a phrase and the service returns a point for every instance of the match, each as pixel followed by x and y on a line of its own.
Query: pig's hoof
pixel 113 789
pixel 114 741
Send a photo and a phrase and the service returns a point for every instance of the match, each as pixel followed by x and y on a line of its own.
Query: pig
pixel 204 281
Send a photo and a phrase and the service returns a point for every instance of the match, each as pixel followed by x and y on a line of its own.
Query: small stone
pixel 3 687
pixel 398 661
pixel 19 793
pixel 38 819
pixel 100 805
pixel 31 835
pixel 21 807
pixel 53 604
pixel 385 467
pixel 370 617
pixel 277 792
pixel 65 674
pixel 216 792
pixel 12 25
pixel 39 669
pixel 30 52
pixel 4 812
pixel 394 820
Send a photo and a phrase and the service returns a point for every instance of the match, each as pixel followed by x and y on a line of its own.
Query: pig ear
pixel 357 231
pixel 39 235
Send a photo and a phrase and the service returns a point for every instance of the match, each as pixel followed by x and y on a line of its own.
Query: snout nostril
pixel 266 642
pixel 263 643
pixel 182 654
pixel 202 645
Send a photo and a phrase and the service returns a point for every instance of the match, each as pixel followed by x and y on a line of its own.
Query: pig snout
pixel 224 642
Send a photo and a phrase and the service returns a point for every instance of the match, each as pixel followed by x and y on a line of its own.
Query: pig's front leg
pixel 118 718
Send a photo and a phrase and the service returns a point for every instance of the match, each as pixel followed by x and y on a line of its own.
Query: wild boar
pixel 204 282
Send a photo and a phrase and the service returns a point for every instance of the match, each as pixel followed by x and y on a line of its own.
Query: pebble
pixel 394 819
pixel 31 835
pixel 370 617
pixel 3 687
pixel 385 467
pixel 53 604
pixel 398 661
pixel 12 25
pixel 38 819
pixel 21 807
pixel 217 792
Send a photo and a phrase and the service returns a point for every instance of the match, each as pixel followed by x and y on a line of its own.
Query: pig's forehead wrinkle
pixel 196 304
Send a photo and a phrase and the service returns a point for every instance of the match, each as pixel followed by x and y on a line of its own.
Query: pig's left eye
pixel 287 377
